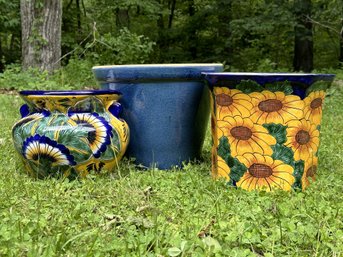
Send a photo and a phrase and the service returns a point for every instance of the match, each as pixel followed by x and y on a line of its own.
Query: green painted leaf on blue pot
pixel 317 86
pixel 298 173
pixel 278 131
pixel 249 86
pixel 113 149
pixel 283 153
pixel 284 86
pixel 76 141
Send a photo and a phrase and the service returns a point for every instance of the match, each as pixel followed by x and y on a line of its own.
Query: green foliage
pixel 126 47
pixel 14 78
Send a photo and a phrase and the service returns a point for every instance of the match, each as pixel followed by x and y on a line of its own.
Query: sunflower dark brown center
pixel 270 105
pixel 302 137
pixel 241 133
pixel 224 100
pixel 316 103
pixel 311 171
pixel 258 170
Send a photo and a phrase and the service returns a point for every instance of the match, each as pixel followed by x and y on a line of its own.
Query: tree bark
pixel 41 22
pixel 303 40
pixel 192 38
pixel 225 16
pixel 341 46
pixel 171 15
pixel 122 18
pixel 2 66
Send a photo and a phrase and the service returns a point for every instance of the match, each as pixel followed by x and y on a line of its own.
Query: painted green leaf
pixel 283 153
pixel 237 170
pixel 284 86
pixel 76 141
pixel 298 173
pixel 224 148
pixel 278 131
pixel 319 85
pixel 249 86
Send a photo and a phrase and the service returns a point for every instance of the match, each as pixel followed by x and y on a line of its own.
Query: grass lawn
pixel 170 213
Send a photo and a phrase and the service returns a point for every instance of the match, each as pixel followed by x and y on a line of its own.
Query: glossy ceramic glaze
pixel 265 128
pixel 70 133
pixel 166 107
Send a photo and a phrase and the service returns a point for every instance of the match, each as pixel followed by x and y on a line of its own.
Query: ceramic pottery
pixel 70 133
pixel 166 107
pixel 265 128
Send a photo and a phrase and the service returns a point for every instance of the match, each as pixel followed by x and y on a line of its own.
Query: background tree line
pixel 246 35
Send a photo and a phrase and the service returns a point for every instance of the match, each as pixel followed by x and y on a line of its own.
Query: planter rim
pixel 267 74
pixel 157 65
pixel 153 72
pixel 67 92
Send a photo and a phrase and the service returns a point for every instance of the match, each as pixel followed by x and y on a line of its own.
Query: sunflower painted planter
pixel 70 133
pixel 265 128
pixel 167 109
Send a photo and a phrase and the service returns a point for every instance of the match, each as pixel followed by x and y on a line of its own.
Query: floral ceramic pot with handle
pixel 70 133
pixel 265 128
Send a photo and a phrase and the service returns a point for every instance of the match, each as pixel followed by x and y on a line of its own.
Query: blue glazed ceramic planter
pixel 166 107
pixel 265 128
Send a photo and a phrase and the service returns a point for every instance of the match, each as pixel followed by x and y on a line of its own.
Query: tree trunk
pixel 303 40
pixel 192 33
pixel 122 18
pixel 2 66
pixel 41 22
pixel 341 46
pixel 171 15
pixel 225 16
pixel 78 10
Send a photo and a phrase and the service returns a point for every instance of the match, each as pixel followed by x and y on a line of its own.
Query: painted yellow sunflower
pixel 303 138
pixel 264 173
pixel 220 168
pixel 310 170
pixel 275 107
pixel 231 102
pixel 245 136
pixel 314 106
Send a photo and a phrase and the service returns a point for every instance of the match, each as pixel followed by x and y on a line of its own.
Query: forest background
pixel 246 35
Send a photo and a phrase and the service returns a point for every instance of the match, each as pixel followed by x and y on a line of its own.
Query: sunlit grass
pixel 170 213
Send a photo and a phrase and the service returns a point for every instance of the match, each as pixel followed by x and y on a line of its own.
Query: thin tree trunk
pixel 122 18
pixel 225 15
pixel 192 33
pixel 2 66
pixel 41 33
pixel 171 15
pixel 341 46
pixel 303 40
pixel 78 11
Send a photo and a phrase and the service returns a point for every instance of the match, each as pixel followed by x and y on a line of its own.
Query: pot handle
pixel 24 110
pixel 116 109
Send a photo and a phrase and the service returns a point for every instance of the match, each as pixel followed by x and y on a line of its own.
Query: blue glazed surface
pixel 299 81
pixel 166 107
